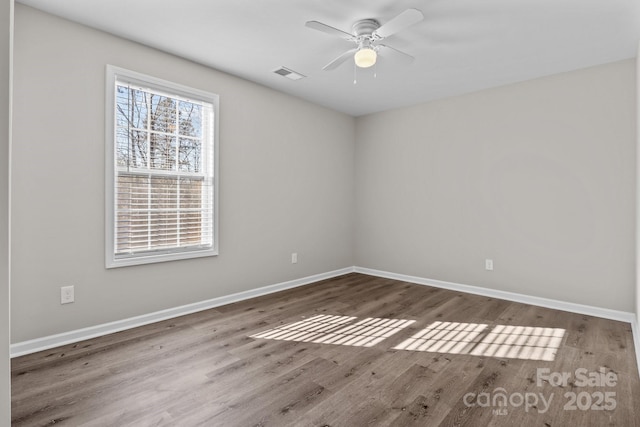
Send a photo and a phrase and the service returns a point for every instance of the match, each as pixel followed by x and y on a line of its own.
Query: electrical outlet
pixel 294 258
pixel 488 264
pixel 67 295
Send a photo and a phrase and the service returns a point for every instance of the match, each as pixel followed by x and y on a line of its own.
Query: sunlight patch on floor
pixel 339 330
pixel 479 339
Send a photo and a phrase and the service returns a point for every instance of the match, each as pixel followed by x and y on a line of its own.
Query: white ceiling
pixel 461 46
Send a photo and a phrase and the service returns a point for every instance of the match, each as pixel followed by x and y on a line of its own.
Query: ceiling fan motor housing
pixel 364 29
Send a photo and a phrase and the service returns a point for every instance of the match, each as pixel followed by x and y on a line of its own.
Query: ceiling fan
pixel 367 34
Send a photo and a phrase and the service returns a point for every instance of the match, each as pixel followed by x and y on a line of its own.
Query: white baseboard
pixel 605 313
pixel 45 343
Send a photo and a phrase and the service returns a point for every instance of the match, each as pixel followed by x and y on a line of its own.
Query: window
pixel 161 170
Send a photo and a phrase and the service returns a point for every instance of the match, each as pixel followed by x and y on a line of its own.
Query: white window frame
pixel 114 74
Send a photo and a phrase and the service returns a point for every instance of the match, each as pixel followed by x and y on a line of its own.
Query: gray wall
pixel 538 176
pixel 6 10
pixel 286 184
pixel 638 195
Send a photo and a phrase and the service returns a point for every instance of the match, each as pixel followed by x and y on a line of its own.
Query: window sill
pixel 156 258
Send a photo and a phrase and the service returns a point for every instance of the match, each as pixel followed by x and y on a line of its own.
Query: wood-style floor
pixel 205 369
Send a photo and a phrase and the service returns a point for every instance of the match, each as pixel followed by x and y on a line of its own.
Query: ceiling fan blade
pixel 339 60
pixel 328 29
pixel 400 22
pixel 398 55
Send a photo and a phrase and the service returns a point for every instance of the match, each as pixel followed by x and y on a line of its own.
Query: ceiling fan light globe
pixel 365 57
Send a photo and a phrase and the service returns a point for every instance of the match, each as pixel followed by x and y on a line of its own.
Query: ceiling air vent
pixel 290 74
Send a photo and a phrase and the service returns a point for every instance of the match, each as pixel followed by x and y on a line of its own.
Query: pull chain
pixel 355 69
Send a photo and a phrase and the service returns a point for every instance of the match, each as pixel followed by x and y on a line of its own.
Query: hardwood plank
pixel 206 369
